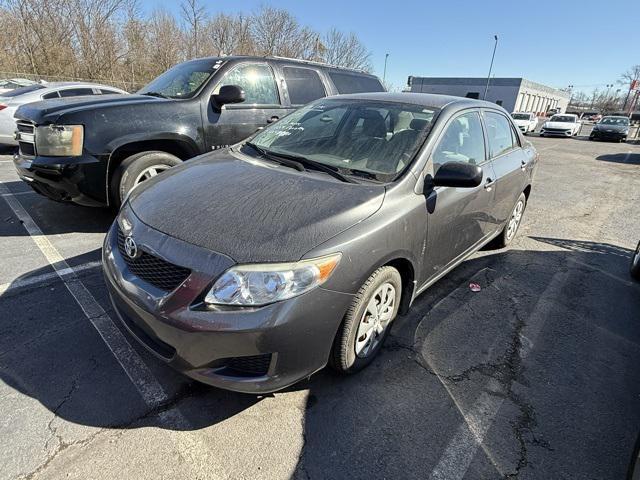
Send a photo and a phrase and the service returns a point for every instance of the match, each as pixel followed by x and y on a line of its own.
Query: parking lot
pixel 535 376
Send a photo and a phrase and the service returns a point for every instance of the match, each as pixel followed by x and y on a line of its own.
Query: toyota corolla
pixel 253 267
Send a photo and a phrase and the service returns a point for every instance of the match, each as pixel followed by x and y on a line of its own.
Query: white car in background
pixel 525 121
pixel 563 125
pixel 10 101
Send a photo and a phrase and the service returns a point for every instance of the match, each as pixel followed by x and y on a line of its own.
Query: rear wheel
pixel 511 228
pixel 635 263
pixel 367 322
pixel 136 169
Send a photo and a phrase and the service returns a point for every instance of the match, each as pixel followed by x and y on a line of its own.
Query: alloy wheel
pixel 375 319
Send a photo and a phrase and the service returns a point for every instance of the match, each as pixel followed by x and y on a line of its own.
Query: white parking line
pixel 462 448
pixel 143 380
pixel 45 277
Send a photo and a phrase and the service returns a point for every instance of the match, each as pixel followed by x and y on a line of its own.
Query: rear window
pixel 303 84
pixel 22 90
pixel 352 83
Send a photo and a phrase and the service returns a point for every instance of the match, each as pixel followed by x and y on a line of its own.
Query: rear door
pixel 509 164
pixel 262 105
pixel 458 217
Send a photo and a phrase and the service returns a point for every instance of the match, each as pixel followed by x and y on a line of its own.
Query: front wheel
pixel 367 322
pixel 635 263
pixel 137 169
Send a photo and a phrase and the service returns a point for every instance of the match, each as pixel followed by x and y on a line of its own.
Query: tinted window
pixel 499 133
pixel 304 85
pixel 22 90
pixel 47 96
pixel 353 83
pixel 76 92
pixel 462 141
pixel 256 80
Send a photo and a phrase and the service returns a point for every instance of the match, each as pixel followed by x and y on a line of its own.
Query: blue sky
pixel 558 43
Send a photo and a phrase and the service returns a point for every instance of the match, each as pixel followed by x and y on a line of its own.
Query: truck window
pixel 303 84
pixel 256 80
pixel 353 83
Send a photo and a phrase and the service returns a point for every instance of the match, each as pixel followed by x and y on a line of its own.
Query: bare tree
pixel 346 50
pixel 194 16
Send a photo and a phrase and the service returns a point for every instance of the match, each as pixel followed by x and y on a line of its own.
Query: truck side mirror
pixel 228 94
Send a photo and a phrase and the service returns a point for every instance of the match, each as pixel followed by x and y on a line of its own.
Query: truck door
pixel 233 123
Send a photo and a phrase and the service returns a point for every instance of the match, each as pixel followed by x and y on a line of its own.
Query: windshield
pixel 373 137
pixel 22 91
pixel 520 116
pixel 183 80
pixel 615 121
pixel 563 118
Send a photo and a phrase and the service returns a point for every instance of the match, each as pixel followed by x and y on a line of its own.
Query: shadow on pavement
pixel 628 158
pixel 394 419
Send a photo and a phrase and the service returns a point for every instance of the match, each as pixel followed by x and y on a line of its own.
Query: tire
pixel 128 174
pixel 351 353
pixel 635 263
pixel 509 231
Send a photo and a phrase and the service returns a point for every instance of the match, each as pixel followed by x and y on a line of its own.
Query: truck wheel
pixel 136 169
pixel 367 322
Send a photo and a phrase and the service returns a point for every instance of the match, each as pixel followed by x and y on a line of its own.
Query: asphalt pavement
pixel 534 377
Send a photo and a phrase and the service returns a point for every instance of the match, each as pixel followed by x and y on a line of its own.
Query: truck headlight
pixel 59 140
pixel 257 285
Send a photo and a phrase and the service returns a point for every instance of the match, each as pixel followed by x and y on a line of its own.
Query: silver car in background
pixel 10 101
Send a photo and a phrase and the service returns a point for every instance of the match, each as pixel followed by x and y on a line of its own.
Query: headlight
pixel 256 285
pixel 59 140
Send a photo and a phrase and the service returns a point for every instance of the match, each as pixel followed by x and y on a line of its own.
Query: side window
pixel 303 84
pixel 462 141
pixel 352 83
pixel 76 92
pixel 256 80
pixel 499 134
pixel 47 96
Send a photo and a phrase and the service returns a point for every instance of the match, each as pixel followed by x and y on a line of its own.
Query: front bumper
pixel 282 343
pixel 79 180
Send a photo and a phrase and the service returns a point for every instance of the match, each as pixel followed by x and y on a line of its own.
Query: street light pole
pixel 384 75
pixel 486 88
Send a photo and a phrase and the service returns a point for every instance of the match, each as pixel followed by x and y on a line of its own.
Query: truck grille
pixel 154 270
pixel 27 141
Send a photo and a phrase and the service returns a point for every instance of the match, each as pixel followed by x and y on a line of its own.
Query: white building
pixel 514 94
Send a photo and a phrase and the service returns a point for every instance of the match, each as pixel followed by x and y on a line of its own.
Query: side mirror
pixel 228 94
pixel 458 174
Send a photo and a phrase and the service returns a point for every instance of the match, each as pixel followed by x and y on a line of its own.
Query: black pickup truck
pixel 93 150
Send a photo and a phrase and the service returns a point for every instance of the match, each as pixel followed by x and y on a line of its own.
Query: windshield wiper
pixel 333 171
pixel 282 161
pixel 155 94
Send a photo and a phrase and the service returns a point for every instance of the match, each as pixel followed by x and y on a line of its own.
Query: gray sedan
pixel 253 267
pixel 10 101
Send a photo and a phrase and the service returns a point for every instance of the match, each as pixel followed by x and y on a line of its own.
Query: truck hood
pixel 565 125
pixel 249 210
pixel 48 111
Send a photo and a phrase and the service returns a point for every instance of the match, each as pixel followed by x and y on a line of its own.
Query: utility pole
pixel 486 88
pixel 384 75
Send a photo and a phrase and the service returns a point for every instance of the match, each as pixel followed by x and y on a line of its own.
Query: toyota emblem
pixel 130 247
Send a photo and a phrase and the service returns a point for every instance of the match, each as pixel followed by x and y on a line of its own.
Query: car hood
pixel 47 111
pixel 249 210
pixel 613 128
pixel 566 125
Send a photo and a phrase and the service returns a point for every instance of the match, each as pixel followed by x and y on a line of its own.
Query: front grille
pixel 255 365
pixel 154 270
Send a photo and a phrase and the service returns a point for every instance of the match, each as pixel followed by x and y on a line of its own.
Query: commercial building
pixel 514 94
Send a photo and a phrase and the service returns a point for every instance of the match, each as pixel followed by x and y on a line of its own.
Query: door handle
pixel 273 119
pixel 488 185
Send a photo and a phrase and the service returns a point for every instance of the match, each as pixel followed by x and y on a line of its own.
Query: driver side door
pixel 262 105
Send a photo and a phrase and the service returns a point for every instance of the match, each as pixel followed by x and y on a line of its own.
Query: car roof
pixel 423 99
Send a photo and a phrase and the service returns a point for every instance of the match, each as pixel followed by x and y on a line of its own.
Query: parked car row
pixel 325 209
